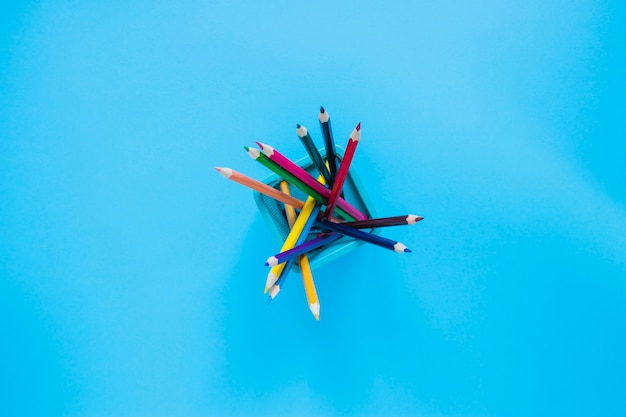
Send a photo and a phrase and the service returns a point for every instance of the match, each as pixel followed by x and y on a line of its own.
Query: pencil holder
pixel 273 212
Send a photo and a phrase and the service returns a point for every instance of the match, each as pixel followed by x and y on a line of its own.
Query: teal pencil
pixel 327 131
pixel 314 154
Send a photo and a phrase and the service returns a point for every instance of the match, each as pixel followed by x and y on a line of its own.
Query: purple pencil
pixel 308 246
pixel 306 178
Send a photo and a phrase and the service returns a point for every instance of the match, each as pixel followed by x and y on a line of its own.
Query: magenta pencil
pixel 342 174
pixel 307 179
pixel 307 246
pixel 384 221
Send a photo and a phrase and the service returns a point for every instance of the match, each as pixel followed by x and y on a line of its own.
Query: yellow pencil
pixel 309 286
pixel 292 237
pixel 303 261
pixel 289 209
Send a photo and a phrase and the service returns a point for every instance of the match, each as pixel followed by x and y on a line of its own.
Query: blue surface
pixel 131 273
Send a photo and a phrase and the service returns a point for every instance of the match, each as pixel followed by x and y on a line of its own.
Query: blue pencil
pixel 367 237
pixel 307 246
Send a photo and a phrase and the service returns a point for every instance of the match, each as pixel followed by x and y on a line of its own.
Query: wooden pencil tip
pixel 226 172
pixel 412 219
pixel 266 290
pixel 322 109
pixel 315 309
pixel 297 126
pixel 260 145
pixel 407 250
pixel 247 148
pixel 358 127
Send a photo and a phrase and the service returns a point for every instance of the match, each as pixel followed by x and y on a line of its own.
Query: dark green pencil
pixel 331 156
pixel 314 154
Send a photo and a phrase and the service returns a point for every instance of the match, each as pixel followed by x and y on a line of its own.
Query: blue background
pixel 131 273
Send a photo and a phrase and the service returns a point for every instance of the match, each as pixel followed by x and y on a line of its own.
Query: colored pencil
pixel 263 159
pixel 308 223
pixel 290 211
pixel 305 177
pixel 309 287
pixel 276 287
pixel 303 261
pixel 359 234
pixel 305 247
pixel 384 221
pixel 314 154
pixel 331 156
pixel 342 174
pixel 298 228
pixel 242 179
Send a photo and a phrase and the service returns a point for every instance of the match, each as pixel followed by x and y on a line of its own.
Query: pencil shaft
pixel 314 154
pixel 303 261
pixel 331 156
pixel 384 221
pixel 344 167
pixel 309 286
pixel 308 223
pixel 302 248
pixel 300 228
pixel 260 187
pixel 361 235
pixel 289 210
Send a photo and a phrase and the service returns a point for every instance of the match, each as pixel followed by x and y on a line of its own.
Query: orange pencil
pixel 231 174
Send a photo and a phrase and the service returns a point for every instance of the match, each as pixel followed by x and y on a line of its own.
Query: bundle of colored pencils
pixel 324 217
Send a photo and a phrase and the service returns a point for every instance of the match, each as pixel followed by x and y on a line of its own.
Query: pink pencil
pixel 342 174
pixel 306 178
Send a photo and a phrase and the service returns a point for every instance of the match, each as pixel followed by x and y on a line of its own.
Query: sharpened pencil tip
pixel 315 309
pixel 301 131
pixel 274 290
pixel 260 145
pixel 297 126
pixel 266 290
pixel 267 264
pixel 247 148
pixel 407 250
pixel 412 219
pixel 400 247
pixel 322 109
pixel 358 127
pixel 226 172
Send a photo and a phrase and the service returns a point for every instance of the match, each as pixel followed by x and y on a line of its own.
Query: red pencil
pixel 342 174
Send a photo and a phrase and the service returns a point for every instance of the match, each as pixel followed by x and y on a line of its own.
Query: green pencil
pixel 291 179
